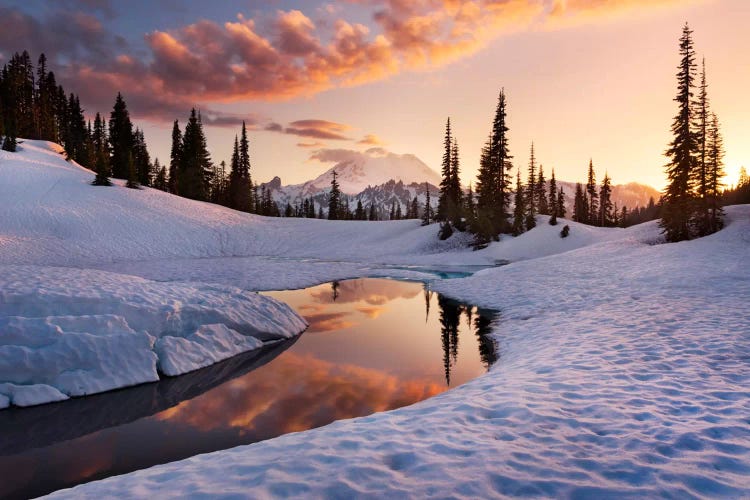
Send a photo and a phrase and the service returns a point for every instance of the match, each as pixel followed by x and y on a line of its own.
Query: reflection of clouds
pixel 328 322
pixel 370 311
pixel 315 393
pixel 311 308
pixel 369 290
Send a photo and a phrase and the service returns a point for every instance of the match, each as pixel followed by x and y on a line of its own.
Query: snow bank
pixel 71 332
pixel 623 373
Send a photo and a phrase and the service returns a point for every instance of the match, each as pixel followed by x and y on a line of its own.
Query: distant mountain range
pixel 382 178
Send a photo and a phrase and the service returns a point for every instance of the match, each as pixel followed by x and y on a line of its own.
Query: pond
pixel 372 345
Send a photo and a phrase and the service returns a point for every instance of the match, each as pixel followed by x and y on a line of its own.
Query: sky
pixel 584 79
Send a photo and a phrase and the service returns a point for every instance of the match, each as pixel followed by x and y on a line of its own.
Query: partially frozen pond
pixel 372 345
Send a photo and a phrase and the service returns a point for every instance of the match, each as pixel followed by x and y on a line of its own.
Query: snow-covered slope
pixel 623 373
pixel 69 331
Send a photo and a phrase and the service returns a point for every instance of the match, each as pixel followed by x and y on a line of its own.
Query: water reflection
pixel 372 346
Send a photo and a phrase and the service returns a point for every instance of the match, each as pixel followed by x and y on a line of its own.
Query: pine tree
pixel 359 212
pixel 541 193
pixel 520 210
pixel 493 182
pixel 174 159
pixel 580 206
pixel 561 212
pixel 132 182
pixel 531 190
pixel 444 208
pixel 678 199
pixel 427 214
pixel 120 139
pixel 552 202
pixel 591 194
pixel 195 163
pixel 334 199
pixel 456 195
pixel 160 181
pixel 414 209
pixel 399 214
pixel 605 202
pixel 373 214
pixel 701 219
pixel 714 175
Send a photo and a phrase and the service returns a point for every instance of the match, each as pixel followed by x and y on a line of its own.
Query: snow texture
pixel 623 363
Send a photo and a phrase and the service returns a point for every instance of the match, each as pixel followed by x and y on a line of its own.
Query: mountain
pixel 382 178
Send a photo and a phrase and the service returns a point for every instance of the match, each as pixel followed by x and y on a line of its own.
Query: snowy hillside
pixel 623 362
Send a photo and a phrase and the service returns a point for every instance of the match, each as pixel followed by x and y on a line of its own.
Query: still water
pixel 372 345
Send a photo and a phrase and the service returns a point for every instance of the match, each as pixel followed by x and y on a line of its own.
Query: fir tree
pixel 399 214
pixel 427 213
pixel 520 209
pixel 591 196
pixel 702 215
pixel 580 206
pixel 414 208
pixel 561 212
pixel 334 199
pixel 160 181
pixel 444 208
pixel 195 163
pixel 541 193
pixel 174 158
pixel 605 202
pixel 552 202
pixel 682 149
pixel 714 175
pixel 120 139
pixel 531 190
pixel 373 214
pixel 455 192
pixel 359 212
pixel 132 182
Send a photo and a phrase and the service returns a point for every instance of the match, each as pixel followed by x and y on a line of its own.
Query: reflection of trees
pixel 427 300
pixel 482 329
pixel 450 318
pixel 335 288
pixel 480 320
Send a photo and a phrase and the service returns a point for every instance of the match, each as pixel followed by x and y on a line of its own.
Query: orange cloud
pixel 371 140
pixel 293 56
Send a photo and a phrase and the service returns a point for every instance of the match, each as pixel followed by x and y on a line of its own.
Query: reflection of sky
pixel 371 350
pixel 387 318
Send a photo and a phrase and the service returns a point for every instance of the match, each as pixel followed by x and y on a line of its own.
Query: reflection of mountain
pixel 372 291
pixel 39 426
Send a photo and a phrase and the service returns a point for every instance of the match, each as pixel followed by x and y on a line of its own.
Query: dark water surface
pixel 372 345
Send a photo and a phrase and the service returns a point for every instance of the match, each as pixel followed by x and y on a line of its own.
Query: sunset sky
pixel 584 78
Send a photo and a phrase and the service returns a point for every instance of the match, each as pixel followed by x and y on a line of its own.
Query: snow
pixel 623 362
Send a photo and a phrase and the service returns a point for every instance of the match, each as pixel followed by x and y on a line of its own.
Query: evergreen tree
pixel 334 199
pixel 561 212
pixel 359 212
pixel 444 208
pixel 541 193
pixel 552 202
pixel 160 181
pixel 531 190
pixel 580 206
pixel 414 208
pixel 701 219
pixel 399 214
pixel 174 159
pixel 493 182
pixel 195 163
pixel 714 175
pixel 132 182
pixel 141 158
pixel 591 196
pixel 455 192
pixel 427 213
pixel 288 211
pixel 120 139
pixel 605 202
pixel 373 215
pixel 678 200
pixel 9 142
pixel 520 209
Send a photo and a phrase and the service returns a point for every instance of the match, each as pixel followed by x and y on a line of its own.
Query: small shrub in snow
pixel 565 231
pixel 446 231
